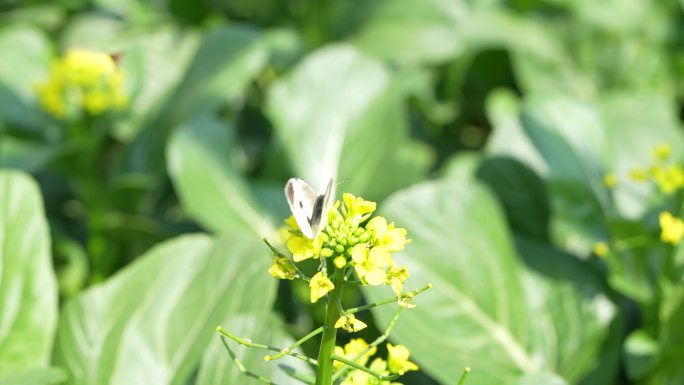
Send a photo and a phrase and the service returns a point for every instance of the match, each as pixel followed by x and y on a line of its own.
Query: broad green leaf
pixel 92 31
pixel 20 72
pixel 151 322
pixel 28 291
pixel 508 137
pixel 333 112
pixel 541 379
pixel 218 368
pixel 45 16
pixel 641 352
pixel 568 135
pixel 413 32
pixel 521 192
pixel 224 63
pixel 35 377
pixel 506 316
pixel 30 156
pixel 218 196
pixel 154 63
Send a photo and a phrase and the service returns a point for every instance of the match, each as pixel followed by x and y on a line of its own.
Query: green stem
pixel 385 302
pixel 90 139
pixel 242 367
pixel 294 346
pixel 249 343
pixel 365 369
pixel 464 376
pixel 325 361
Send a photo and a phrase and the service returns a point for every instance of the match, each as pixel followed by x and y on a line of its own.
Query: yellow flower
pixel 392 239
pixel 404 300
pixel 303 248
pixel 282 269
pixel 357 208
pixel 610 180
pixel 350 323
pixel 353 349
pixel 672 228
pixel 638 175
pixel 396 277
pixel 601 249
pixel 85 68
pixel 662 151
pixel 370 265
pixel 669 179
pixel 320 286
pixel 82 79
pixel 292 223
pixel 398 359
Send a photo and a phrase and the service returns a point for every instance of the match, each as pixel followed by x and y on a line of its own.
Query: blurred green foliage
pixel 484 127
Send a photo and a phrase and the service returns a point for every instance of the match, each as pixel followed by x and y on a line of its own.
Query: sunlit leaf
pixel 151 322
pixel 218 196
pixel 504 312
pixel 218 368
pixel 28 291
pixel 332 112
pixel 35 377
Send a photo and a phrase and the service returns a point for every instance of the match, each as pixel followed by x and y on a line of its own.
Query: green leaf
pixel 28 290
pixel 413 32
pixel 331 113
pixel 504 315
pixel 641 352
pixel 562 140
pixel 218 368
pixel 151 322
pixel 541 379
pixel 29 156
pixel 218 197
pixel 20 72
pixel 224 64
pixel 35 377
pixel 521 192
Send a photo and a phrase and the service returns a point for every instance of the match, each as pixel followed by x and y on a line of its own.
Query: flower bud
pixel 339 249
pixel 340 262
pixel 326 252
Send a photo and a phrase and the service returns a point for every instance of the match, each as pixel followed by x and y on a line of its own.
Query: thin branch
pixel 292 347
pixel 385 302
pixel 355 365
pixel 242 367
pixel 249 343
pixel 464 376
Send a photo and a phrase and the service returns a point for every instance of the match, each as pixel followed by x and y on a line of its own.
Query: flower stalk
pixel 325 354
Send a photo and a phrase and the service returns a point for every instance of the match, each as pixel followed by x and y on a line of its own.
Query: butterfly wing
pixel 319 215
pixel 302 199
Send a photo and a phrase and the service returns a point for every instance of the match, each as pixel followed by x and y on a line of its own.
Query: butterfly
pixel 310 210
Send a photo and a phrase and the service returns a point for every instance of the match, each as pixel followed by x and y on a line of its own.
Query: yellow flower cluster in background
pixel 82 80
pixel 671 228
pixel 666 175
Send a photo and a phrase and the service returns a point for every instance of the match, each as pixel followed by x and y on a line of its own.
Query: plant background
pixel 483 127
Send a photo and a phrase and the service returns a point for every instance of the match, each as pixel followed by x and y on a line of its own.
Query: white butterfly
pixel 309 209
